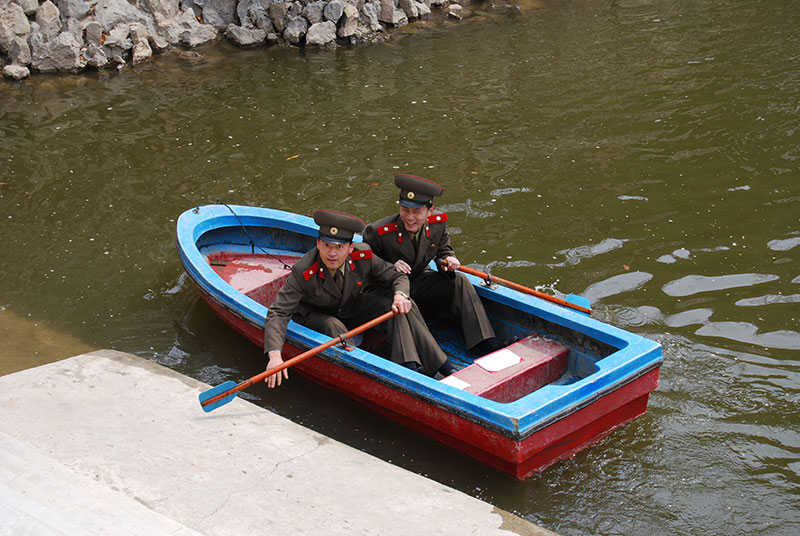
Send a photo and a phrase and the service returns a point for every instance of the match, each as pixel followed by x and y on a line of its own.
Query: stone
pixel 95 56
pixel 119 37
pixel 110 13
pixel 19 52
pixel 455 11
pixel 168 9
pixel 348 24
pixel 334 10
pixel 295 30
pixel 13 24
pixel 77 9
pixel 219 13
pixel 278 12
pixel 423 9
pixel 49 20
pixel 369 16
pixel 409 8
pixel 321 34
pixel 192 32
pixel 313 12
pixel 28 6
pixel 141 47
pixel 245 37
pixel 255 14
pixel 16 72
pixel 391 14
pixel 60 54
pixel 93 33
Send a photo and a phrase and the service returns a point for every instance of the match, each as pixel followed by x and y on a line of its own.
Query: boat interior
pixel 542 352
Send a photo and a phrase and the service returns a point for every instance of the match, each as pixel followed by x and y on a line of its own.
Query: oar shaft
pixel 298 358
pixel 523 289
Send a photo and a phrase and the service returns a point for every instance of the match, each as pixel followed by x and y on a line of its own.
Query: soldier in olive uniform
pixel 414 237
pixel 324 292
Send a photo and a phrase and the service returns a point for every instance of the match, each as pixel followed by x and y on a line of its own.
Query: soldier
pixel 324 292
pixel 414 237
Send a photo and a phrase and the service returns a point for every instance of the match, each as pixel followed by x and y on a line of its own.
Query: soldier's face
pixel 334 255
pixel 413 218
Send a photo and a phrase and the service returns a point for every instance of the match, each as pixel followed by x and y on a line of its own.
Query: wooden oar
pixel 583 306
pixel 225 392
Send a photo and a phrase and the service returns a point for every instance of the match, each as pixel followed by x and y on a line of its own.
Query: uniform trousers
pixel 408 334
pixel 435 289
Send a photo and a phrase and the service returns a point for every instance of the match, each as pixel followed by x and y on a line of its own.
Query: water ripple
pixel 617 285
pixel 695 284
pixel 748 333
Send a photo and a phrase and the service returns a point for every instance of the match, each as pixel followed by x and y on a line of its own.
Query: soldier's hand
pixel 450 264
pixel 401 304
pixel 275 359
pixel 403 267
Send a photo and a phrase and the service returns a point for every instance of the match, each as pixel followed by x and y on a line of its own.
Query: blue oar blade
pixel 579 300
pixel 214 391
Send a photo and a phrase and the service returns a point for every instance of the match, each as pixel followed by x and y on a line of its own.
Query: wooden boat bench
pixel 256 276
pixel 542 361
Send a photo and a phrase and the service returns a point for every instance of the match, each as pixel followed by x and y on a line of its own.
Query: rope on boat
pixel 253 244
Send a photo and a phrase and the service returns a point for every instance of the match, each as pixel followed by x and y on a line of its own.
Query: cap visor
pixel 411 204
pixel 331 240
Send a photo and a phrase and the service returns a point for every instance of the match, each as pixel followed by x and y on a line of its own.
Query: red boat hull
pixel 519 458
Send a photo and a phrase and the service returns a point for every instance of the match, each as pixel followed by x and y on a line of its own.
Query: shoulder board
pixel 361 255
pixel 313 269
pixel 437 218
pixel 386 229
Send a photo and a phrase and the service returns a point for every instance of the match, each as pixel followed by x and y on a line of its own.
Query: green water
pixel 642 153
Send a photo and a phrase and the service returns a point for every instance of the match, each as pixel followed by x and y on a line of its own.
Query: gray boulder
pixel 191 32
pixel 60 54
pixel 295 30
pixel 321 34
pixel 313 11
pixel 245 37
pixel 77 9
pixel 348 24
pixel 141 47
pixel 28 6
pixel 110 13
pixel 334 10
pixel 95 56
pixel 278 13
pixel 219 13
pixel 49 20
pixel 370 16
pixel 13 24
pixel 391 14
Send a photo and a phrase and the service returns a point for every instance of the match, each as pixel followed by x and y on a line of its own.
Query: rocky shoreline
pixel 48 36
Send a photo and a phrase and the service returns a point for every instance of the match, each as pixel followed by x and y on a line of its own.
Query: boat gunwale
pixel 635 355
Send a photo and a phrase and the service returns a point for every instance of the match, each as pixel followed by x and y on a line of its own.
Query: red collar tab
pixel 386 229
pixel 308 274
pixel 361 255
pixel 437 218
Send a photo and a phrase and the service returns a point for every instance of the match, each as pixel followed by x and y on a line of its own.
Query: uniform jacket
pixel 389 240
pixel 310 287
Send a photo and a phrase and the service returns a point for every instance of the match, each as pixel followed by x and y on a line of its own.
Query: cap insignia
pixel 334 231
pixel 410 195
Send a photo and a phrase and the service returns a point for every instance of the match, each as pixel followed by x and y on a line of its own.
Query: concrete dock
pixel 110 443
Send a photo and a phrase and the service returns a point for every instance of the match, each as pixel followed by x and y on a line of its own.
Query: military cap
pixel 416 191
pixel 337 227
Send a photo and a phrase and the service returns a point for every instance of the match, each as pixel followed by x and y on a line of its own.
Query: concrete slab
pixel 108 442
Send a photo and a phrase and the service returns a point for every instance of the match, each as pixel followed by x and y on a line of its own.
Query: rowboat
pixel 567 381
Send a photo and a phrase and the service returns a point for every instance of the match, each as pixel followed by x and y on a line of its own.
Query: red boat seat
pixel 543 361
pixel 257 276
